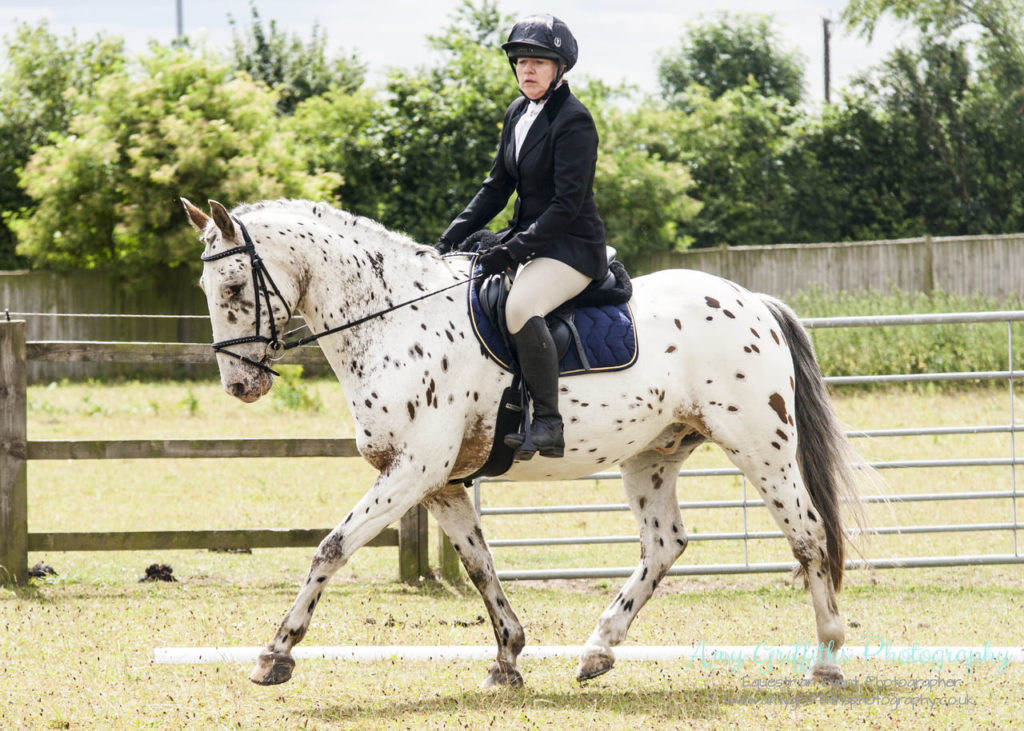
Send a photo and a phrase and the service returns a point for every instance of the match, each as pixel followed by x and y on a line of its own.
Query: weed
pixel 90 408
pixel 291 394
pixel 189 404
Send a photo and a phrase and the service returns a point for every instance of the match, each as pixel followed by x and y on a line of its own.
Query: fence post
pixel 13 455
pixel 451 565
pixel 413 548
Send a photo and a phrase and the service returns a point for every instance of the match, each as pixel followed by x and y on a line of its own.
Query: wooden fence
pixel 175 312
pixel 411 536
pixel 992 266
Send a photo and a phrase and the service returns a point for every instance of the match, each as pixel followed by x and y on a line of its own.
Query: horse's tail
pixel 824 454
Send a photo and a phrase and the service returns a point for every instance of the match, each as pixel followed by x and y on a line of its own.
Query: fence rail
pixel 411 537
pixel 16 450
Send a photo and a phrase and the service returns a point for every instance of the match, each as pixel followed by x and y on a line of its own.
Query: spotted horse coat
pixel 718 364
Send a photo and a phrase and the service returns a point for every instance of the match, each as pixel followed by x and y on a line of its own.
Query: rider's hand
pixel 496 259
pixel 444 246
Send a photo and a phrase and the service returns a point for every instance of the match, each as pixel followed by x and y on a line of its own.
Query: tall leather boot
pixel 539 363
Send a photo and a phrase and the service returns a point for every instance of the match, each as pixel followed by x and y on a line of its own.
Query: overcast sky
pixel 619 40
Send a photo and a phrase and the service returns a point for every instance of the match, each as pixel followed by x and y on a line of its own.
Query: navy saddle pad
pixel 607 337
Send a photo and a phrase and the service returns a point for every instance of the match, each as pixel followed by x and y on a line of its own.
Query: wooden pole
pixel 451 565
pixel 13 455
pixel 827 33
pixel 413 547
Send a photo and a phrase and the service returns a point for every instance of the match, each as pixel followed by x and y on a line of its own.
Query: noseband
pixel 260 279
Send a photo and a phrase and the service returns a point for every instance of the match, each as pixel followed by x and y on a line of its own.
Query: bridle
pixel 278 344
pixel 260 278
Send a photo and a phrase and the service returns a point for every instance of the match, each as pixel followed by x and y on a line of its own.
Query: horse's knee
pixel 329 556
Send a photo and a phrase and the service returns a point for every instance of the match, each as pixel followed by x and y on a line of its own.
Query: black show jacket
pixel 555 214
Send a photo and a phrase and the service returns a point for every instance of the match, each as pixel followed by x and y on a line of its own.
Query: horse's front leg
pixel 392 494
pixel 455 514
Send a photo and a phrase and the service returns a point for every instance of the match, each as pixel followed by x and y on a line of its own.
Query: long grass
pixel 903 349
pixel 76 649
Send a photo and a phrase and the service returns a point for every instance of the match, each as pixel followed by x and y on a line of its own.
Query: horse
pixel 716 363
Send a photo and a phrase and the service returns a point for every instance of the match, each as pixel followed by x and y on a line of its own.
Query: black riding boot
pixel 539 363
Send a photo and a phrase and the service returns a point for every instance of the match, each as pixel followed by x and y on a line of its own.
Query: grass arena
pixel 81 649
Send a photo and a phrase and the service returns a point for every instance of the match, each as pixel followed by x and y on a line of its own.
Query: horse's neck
pixel 357 271
pixel 359 268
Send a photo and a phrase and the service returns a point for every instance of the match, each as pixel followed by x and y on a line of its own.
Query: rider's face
pixel 535 75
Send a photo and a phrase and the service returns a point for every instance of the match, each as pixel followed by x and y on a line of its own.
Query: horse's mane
pixel 334 218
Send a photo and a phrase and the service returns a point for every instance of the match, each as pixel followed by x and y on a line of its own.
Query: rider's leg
pixel 540 286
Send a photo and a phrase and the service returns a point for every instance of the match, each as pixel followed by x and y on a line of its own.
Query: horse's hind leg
pixel 650 483
pixel 455 514
pixel 780 483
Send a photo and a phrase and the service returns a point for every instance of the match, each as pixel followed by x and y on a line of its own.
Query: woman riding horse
pixel 555 241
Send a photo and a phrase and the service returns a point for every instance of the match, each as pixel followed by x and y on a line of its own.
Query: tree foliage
pixel 640 186
pixel 732 51
pixel 294 68
pixel 40 87
pixel 436 132
pixel 179 124
pixel 95 150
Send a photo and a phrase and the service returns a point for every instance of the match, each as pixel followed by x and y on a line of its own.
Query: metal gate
pixel 1006 496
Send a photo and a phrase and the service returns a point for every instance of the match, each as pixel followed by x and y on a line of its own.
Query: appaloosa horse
pixel 716 363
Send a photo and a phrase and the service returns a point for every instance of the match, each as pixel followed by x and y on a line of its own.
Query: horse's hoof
pixel 272 669
pixel 502 676
pixel 595 663
pixel 826 673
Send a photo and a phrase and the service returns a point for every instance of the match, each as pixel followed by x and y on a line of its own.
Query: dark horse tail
pixel 824 453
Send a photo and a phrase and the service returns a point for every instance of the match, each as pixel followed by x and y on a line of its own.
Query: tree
pixel 333 129
pixel 106 192
pixel 1001 23
pixel 733 146
pixel 296 70
pixel 641 190
pixel 431 142
pixel 44 78
pixel 730 52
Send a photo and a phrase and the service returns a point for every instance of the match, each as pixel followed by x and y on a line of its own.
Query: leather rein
pixel 276 343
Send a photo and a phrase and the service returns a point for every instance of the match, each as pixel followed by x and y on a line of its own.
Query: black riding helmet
pixel 542 36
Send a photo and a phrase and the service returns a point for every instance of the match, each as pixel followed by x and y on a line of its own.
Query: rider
pixel 555 241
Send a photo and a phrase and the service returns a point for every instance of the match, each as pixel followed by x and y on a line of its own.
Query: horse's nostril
pixel 236 389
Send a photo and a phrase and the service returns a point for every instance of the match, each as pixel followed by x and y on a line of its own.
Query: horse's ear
pixel 197 218
pixel 222 218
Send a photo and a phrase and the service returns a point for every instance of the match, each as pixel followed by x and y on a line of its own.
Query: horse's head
pixel 248 296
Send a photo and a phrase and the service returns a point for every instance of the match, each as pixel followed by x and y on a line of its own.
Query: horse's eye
pixel 232 290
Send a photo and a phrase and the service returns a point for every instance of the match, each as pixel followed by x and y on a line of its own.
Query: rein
pixel 260 278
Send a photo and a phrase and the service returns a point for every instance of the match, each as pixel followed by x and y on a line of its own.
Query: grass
pixel 76 649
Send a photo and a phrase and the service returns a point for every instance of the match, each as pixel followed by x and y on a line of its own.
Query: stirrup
pixel 522 444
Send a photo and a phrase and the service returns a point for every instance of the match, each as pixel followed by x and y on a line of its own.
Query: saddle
pixel 592 332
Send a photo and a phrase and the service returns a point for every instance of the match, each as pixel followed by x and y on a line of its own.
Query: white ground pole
pixel 799 655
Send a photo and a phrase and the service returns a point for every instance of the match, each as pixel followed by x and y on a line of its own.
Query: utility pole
pixel 825 23
pixel 181 21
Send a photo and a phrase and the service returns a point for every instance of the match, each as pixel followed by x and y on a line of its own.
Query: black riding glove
pixel 496 259
pixel 444 246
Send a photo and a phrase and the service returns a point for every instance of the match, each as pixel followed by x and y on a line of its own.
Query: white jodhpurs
pixel 540 286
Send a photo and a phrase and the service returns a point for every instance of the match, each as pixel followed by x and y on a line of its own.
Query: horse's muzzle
pixel 247 383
